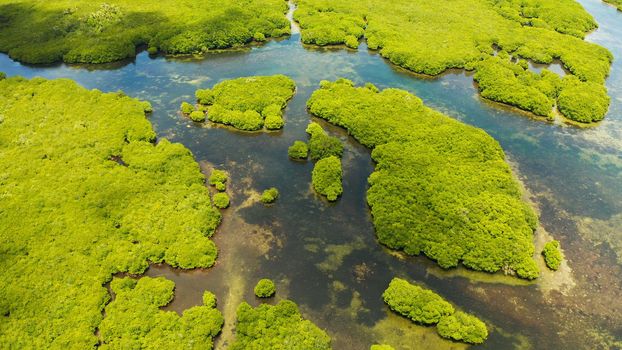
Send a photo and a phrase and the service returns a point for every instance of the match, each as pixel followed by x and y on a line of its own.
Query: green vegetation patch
pixel 616 3
pixel 381 347
pixel 134 319
pixel 86 194
pixel 426 307
pixel 98 32
pixel 326 177
pixel 322 145
pixel 221 200
pixel 270 195
pixel 248 103
pixel 265 288
pixel 299 150
pixel 218 178
pixel 553 256
pixel 440 187
pixel 277 327
pixel 431 37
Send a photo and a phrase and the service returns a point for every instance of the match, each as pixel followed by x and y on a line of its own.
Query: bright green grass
pixel 86 194
pixel 105 31
pixel 440 187
pixel 431 37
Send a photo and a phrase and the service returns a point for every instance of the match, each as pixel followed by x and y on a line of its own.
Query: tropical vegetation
pixel 425 307
pixel 277 326
pixel 326 177
pixel 248 103
pixel 431 37
pixel 553 256
pixel 265 288
pixel 440 187
pixel 298 150
pixel 270 195
pixel 88 193
pixel 105 31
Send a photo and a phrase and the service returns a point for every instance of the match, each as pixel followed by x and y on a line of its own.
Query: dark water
pixel 325 256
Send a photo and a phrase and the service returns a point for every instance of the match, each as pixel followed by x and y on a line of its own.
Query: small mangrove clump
pixel 326 178
pixel 321 145
pixel 197 116
pixel 381 347
pixel 186 108
pixel 552 255
pixel 428 308
pixel 270 195
pixel 265 288
pixel 218 179
pixel 249 103
pixel 221 200
pixel 299 150
pixel 276 327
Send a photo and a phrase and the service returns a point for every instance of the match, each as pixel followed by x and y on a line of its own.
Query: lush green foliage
pixel 326 177
pixel 197 116
pixel 431 37
pixel 553 256
pixel 428 308
pixel 218 178
pixel 299 150
pixel 221 200
pixel 270 195
pixel 134 319
pixel 276 327
pixel 96 31
pixel 440 187
pixel 583 101
pixel 381 347
pixel 616 3
pixel 248 103
pixel 321 145
pixel 418 304
pixel 87 194
pixel 265 288
pixel 462 327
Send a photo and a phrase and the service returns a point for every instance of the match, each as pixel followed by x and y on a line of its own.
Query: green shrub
pixel 204 96
pixel 209 299
pixel 270 195
pixel 218 178
pixel 197 116
pixel 152 50
pixel 553 256
pixel 221 200
pixel 265 288
pixel 299 150
pixel 259 37
pixel 462 327
pixel 134 317
pixel 2 75
pixel 110 217
pixel 326 177
pixel 321 145
pixel 248 103
pixel 276 327
pixel 274 122
pixel 147 107
pixel 382 347
pixel 418 304
pixel 584 102
pixel 88 32
pixel 428 193
pixel 186 108
pixel 351 41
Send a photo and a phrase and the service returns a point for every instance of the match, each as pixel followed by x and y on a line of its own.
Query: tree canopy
pixel 431 37
pixel 97 31
pixel 248 103
pixel 86 193
pixel 440 187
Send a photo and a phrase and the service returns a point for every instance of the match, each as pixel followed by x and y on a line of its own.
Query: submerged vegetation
pixel 86 193
pixel 440 187
pixel 134 319
pixel 428 308
pixel 248 103
pixel 553 256
pixel 98 32
pixel 277 327
pixel 431 37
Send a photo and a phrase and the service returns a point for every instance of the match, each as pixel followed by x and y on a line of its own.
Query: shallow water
pixel 325 256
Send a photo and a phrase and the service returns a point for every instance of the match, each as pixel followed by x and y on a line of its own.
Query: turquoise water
pixel 325 257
